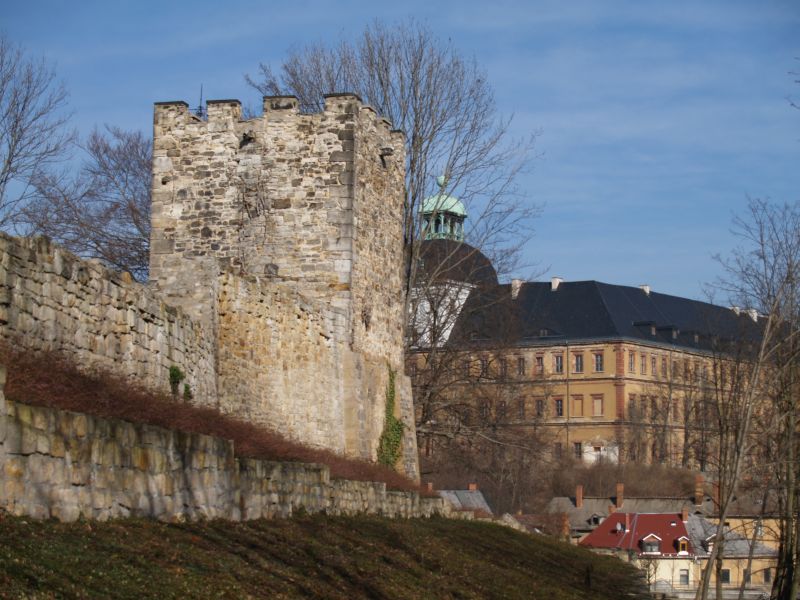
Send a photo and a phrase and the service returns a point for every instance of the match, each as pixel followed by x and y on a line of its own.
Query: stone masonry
pixel 283 234
pixel 66 465
pixel 276 274
pixel 52 300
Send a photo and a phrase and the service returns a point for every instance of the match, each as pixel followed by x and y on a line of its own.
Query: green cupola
pixel 443 215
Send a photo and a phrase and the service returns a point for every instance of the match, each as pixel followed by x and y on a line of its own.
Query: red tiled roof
pixel 612 534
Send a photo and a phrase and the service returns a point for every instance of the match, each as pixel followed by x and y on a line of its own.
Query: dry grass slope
pixel 311 557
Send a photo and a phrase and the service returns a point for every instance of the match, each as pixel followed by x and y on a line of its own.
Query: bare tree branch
pixel 33 127
pixel 103 211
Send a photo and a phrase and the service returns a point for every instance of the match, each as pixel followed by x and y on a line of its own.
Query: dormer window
pixel 683 545
pixel 651 544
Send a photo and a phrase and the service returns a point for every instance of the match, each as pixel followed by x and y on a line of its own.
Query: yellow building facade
pixel 596 371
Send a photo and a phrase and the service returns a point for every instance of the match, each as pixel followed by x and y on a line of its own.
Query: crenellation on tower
pixel 224 111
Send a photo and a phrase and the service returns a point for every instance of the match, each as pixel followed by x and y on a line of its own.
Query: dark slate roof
pixel 449 260
pixel 466 500
pixel 736 545
pixel 580 519
pixel 591 310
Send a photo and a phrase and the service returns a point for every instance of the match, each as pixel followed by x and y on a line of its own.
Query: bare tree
pixel 33 127
pixel 480 408
pixel 445 106
pixel 755 380
pixel 103 211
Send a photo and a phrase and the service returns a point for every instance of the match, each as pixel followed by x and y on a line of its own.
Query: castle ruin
pixel 276 274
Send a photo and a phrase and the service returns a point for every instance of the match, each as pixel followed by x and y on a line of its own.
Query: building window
pixel 644 364
pixel 631 362
pixel 466 367
pixel 521 409
pixel 559 405
pixel 683 577
pixel 484 411
pixel 501 410
pixel 577 449
pixel 558 363
pixel 540 407
pixel 747 577
pixel 579 363
pixel 557 451
pixel 653 366
pixel 577 405
pixel 597 405
pixel 664 367
pixel 650 547
pixel 683 546
pixel 598 362
pixel 767 575
pixel 412 369
pixel 503 368
pixel 725 576
pixel 466 417
pixel 484 366
pixel 540 364
pixel 520 365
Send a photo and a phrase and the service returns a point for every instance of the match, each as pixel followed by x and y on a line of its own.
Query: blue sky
pixel 656 119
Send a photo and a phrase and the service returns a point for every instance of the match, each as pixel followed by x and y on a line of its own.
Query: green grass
pixel 310 557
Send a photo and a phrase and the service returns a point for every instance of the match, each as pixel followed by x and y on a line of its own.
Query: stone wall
pixel 52 300
pixel 66 465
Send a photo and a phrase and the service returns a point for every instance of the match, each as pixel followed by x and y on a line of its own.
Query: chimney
pixel 753 314
pixel 554 283
pixel 685 514
pixel 565 525
pixel 645 288
pixel 620 494
pixel 699 494
pixel 473 487
pixel 578 496
pixel 515 285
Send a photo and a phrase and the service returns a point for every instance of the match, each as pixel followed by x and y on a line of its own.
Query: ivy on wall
pixel 390 443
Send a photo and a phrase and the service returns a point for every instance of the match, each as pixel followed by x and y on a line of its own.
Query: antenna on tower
pixel 200 111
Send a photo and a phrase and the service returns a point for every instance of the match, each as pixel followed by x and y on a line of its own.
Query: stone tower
pixel 283 235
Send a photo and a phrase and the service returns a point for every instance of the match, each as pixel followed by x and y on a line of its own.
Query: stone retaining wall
pixel 67 465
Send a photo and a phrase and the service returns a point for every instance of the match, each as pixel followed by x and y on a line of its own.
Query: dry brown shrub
pixel 50 379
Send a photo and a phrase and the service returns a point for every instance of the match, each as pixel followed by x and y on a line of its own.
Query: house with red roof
pixel 661 535
pixel 673 548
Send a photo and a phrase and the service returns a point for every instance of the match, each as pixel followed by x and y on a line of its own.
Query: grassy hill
pixel 307 557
